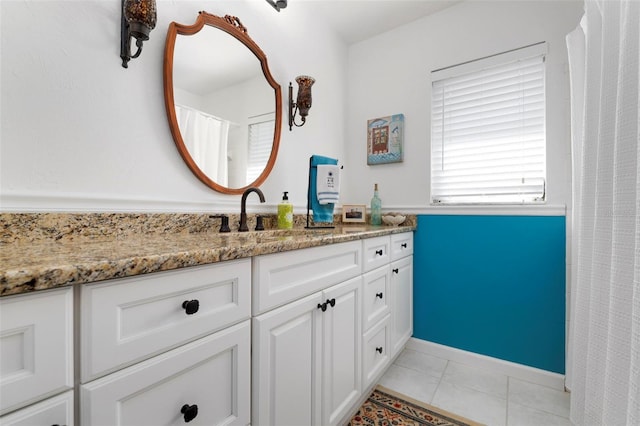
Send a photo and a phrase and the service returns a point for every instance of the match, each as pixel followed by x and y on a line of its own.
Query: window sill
pixel 482 210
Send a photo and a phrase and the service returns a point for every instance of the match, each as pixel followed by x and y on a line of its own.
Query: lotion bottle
pixel 285 213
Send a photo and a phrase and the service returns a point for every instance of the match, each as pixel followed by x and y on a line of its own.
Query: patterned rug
pixel 385 407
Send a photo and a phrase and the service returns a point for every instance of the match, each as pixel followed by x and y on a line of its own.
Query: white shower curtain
pixel 206 138
pixel 603 371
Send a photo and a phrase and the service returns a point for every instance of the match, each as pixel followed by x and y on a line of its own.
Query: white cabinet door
pixel 341 324
pixel 57 410
pixel 210 374
pixel 375 296
pixel 286 361
pixel 402 303
pixel 375 352
pixel 36 347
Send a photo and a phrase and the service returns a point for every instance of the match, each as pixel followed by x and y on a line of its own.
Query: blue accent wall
pixel 493 285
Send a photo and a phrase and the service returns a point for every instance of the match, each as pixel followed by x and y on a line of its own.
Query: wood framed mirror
pixel 223 106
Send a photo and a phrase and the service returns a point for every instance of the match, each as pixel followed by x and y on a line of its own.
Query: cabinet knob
pixel 395 270
pixel 379 349
pixel 379 252
pixel 191 306
pixel 322 306
pixel 190 412
pixel 379 295
pixel 331 302
pixel 403 245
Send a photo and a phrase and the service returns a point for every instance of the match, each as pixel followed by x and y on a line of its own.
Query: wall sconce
pixel 278 4
pixel 138 19
pixel 303 101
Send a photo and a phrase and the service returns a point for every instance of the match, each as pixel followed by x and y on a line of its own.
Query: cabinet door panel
pixel 212 373
pixel 36 347
pixel 341 350
pixel 286 361
pixel 402 300
pixel 375 296
pixel 375 351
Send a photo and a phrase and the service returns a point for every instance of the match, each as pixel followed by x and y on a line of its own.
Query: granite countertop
pixel 38 255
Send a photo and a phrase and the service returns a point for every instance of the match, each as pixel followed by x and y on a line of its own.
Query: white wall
pixel 389 74
pixel 80 133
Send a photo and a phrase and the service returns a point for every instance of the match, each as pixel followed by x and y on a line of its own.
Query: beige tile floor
pixel 479 395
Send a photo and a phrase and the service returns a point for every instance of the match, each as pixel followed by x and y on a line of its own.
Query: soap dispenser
pixel 285 213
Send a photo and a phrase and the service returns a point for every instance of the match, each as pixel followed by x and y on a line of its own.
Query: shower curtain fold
pixel 603 371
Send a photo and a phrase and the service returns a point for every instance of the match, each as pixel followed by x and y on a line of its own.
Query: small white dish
pixel 393 220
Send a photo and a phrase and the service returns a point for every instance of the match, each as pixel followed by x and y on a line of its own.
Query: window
pixel 260 143
pixel 488 140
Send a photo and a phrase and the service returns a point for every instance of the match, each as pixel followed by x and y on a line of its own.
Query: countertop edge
pixel 25 280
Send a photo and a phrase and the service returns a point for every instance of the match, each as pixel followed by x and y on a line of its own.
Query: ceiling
pixel 357 20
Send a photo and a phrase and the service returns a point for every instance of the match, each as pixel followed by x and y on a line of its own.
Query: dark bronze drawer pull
pixel 191 306
pixel 190 412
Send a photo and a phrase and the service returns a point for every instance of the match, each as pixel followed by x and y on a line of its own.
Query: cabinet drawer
pixel 376 252
pixel 375 304
pixel 375 351
pixel 125 321
pixel 57 410
pixel 212 373
pixel 284 277
pixel 401 245
pixel 36 347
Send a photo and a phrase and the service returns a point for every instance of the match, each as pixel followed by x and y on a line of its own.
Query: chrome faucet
pixel 243 207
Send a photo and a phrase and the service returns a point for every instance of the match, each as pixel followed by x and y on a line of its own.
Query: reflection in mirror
pixel 224 108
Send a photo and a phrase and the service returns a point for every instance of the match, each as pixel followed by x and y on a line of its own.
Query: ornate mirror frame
pixel 232 26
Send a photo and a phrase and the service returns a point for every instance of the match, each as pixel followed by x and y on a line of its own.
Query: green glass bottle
pixel 376 207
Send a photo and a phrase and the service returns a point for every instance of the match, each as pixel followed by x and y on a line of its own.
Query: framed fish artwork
pixel 385 137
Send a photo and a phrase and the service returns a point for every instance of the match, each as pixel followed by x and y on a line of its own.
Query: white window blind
pixel 488 140
pixel 260 143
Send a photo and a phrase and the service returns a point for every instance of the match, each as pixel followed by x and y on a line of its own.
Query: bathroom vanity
pixel 262 327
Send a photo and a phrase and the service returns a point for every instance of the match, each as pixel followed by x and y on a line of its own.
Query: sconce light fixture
pixel 303 101
pixel 278 4
pixel 138 19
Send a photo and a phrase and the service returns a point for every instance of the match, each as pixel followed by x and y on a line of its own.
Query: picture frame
pixel 385 138
pixel 354 213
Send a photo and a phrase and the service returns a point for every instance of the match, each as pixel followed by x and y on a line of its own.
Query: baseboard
pixel 508 368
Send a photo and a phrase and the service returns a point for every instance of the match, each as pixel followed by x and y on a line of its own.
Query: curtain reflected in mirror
pixel 206 138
